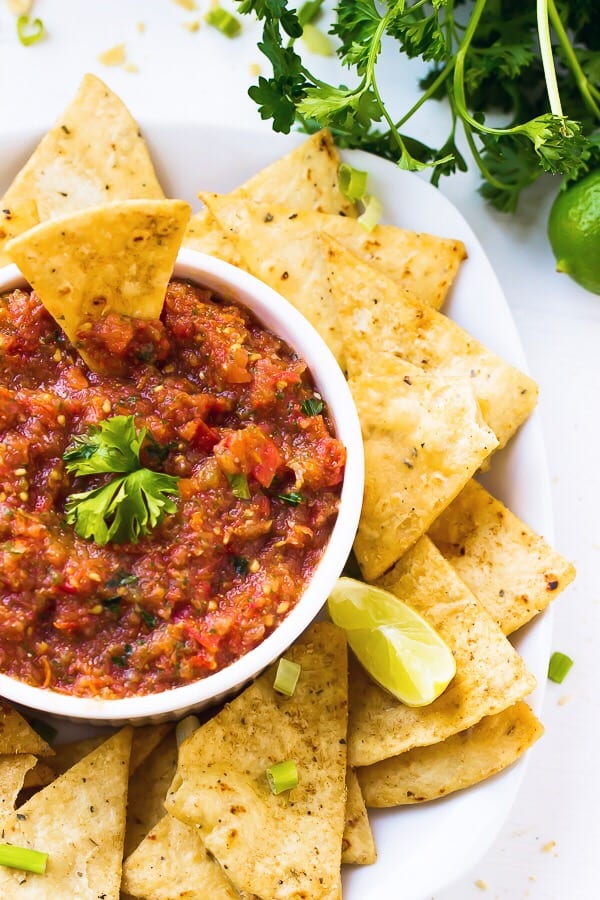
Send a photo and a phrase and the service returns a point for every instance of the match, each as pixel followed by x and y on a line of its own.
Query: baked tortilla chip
pixel 490 675
pixel 79 820
pixel 13 771
pixel 358 844
pixel 427 773
pixel 144 740
pixel 423 439
pixel 509 568
pixel 277 846
pixel 306 178
pixel 14 220
pixel 377 316
pixel 297 270
pixel 172 864
pixel 116 258
pixel 422 263
pixel 148 788
pixel 94 155
pixel 17 736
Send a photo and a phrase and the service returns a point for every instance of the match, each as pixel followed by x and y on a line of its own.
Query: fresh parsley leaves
pixel 128 507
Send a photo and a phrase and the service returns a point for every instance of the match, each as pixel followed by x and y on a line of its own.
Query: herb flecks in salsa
pixel 225 405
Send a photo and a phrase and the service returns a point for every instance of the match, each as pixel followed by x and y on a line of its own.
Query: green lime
pixel 574 231
pixel 397 647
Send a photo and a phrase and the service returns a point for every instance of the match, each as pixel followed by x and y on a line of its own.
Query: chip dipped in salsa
pixel 158 518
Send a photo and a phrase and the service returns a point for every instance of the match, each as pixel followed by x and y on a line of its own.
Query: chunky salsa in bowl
pixel 169 524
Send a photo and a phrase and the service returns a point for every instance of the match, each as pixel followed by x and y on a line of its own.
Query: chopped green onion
pixel 22 858
pixel 309 11
pixel 149 620
pixel 29 31
pixel 223 21
pixel 287 676
pixel 46 732
pixel 112 604
pixel 312 406
pixel 372 212
pixel 239 486
pixel 559 667
pixel 282 776
pixel 316 41
pixel 240 564
pixel 185 728
pixel 293 498
pixel 353 182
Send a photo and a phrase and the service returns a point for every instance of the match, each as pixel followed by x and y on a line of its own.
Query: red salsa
pixel 225 403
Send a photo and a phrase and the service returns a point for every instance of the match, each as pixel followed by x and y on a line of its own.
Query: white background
pixel 549 849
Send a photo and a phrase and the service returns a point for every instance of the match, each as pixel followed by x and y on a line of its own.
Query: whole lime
pixel 574 231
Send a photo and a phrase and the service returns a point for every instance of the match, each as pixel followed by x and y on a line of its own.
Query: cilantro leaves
pixel 126 508
pixel 485 57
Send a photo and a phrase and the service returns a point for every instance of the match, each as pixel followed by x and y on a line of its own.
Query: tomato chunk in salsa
pixel 220 397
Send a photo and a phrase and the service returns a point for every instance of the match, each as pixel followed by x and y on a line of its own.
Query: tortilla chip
pixel 422 263
pixel 13 221
pixel 172 864
pixel 13 771
pixel 17 736
pixel 147 791
pixel 490 675
pixel 377 316
pixel 306 178
pixel 287 845
pixel 511 570
pixel 39 776
pixel 358 845
pixel 423 439
pixel 116 258
pixel 94 155
pixel 144 740
pixel 427 773
pixel 79 820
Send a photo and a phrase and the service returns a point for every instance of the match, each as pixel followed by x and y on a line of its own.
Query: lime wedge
pixel 397 647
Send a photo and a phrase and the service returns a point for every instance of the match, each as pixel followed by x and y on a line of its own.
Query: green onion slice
pixel 29 31
pixel 185 728
pixel 239 486
pixel 353 182
pixel 287 676
pixel 559 667
pixel 223 21
pixel 22 858
pixel 372 213
pixel 309 11
pixel 282 776
pixel 293 498
pixel 317 41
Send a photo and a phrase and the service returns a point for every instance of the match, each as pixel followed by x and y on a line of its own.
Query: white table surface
pixel 549 847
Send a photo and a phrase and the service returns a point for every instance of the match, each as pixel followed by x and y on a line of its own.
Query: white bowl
pixel 280 317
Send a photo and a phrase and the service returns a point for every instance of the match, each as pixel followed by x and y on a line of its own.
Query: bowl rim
pixel 280 316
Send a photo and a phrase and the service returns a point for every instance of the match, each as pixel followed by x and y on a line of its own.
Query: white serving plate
pixel 421 849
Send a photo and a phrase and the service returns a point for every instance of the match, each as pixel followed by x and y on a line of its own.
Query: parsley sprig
pixel 529 60
pixel 128 507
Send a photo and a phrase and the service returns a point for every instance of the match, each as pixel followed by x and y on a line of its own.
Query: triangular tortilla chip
pixel 94 154
pixel 148 788
pixel 428 773
pixel 423 439
pixel 16 736
pixel 509 568
pixel 116 258
pixel 421 263
pixel 286 845
pixel 172 864
pixel 358 844
pixel 13 771
pixel 39 776
pixel 376 316
pixel 13 221
pixel 305 178
pixel 79 820
pixel 490 675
